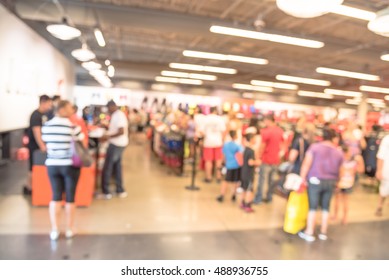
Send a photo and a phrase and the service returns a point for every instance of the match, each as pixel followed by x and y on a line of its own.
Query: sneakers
pixel 208 181
pixel 69 234
pixel 306 237
pixel 248 209
pixel 122 195
pixel 104 196
pixel 54 235
pixel 323 237
pixel 220 198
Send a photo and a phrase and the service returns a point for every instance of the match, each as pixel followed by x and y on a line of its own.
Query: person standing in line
pixel 78 121
pixel 58 134
pixel 191 135
pixel 117 137
pixel 382 173
pixel 271 148
pixel 321 169
pixel 247 172
pixel 213 129
pixel 55 101
pixel 37 119
pixel 231 149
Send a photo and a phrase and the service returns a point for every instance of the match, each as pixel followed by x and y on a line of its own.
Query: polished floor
pixel 162 220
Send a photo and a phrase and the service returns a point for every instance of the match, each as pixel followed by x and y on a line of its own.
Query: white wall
pixel 29 67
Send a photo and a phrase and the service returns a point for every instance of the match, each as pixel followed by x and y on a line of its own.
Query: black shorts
pixel 247 185
pixel 233 175
pixel 31 158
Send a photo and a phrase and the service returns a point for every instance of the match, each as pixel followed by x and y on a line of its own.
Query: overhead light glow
pixel 203 68
pixel 225 57
pixel 380 24
pixel 375 101
pixel 99 37
pixel 107 62
pixel 303 80
pixel 353 12
pixel 274 85
pixel 348 74
pixel 253 88
pixel 189 75
pixel 267 37
pixel 339 92
pixel 98 73
pixel 352 101
pixel 84 54
pixel 248 95
pixel 91 65
pixel 386 97
pixel 374 89
pixel 314 94
pixel 63 31
pixel 307 8
pixel 111 71
pixel 385 57
pixel 178 80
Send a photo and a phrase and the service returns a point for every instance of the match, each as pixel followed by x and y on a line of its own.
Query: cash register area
pixel 160 219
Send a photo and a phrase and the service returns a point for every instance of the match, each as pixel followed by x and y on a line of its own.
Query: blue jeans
pixel 113 166
pixel 63 179
pixel 266 173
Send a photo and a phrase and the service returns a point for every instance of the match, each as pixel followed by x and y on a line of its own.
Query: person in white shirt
pixel 382 173
pixel 117 137
pixel 212 128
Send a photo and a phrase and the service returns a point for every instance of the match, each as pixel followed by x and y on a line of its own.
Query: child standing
pixel 247 173
pixel 231 152
pixel 351 165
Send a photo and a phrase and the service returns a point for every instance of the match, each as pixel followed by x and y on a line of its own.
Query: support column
pixel 362 111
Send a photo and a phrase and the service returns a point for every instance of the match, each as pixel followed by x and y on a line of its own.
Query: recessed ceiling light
pixel 267 37
pixel 251 87
pixel 189 75
pixel 374 89
pixel 314 94
pixel 178 80
pixel 348 74
pixel 202 68
pixel 274 85
pixel 301 80
pixel 225 57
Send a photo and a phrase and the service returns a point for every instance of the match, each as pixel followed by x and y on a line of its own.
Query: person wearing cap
pixel 117 136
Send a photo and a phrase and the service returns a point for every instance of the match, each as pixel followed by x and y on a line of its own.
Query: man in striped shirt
pixel 58 135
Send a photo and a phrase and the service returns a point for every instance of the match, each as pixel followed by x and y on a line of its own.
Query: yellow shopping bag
pixel 296 212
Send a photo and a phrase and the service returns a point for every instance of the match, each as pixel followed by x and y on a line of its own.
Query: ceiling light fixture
pixel 251 87
pixel 225 57
pixel 380 24
pixel 84 54
pixel 178 80
pixel 352 101
pixel 314 94
pixel 303 80
pixel 385 57
pixel 267 37
pixel 111 71
pixel 107 62
pixel 99 37
pixel 274 85
pixel 98 73
pixel 353 12
pixel 63 31
pixel 375 101
pixel 202 68
pixel 374 89
pixel 348 74
pixel 339 92
pixel 248 95
pixel 189 75
pixel 91 65
pixel 307 8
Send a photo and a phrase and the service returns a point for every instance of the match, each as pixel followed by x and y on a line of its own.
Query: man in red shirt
pixel 270 152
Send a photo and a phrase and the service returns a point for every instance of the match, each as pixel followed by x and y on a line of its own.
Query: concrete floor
pixel 162 220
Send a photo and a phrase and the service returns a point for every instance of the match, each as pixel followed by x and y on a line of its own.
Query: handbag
pixel 80 154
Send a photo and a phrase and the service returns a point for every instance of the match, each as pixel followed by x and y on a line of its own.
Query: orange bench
pixel 41 189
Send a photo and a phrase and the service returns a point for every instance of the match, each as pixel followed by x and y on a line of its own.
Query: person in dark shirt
pixel 247 173
pixel 37 119
pixel 51 113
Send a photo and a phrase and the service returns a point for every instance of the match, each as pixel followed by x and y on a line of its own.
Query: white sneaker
pixel 306 237
pixel 104 196
pixel 69 234
pixel 54 235
pixel 122 195
pixel 323 236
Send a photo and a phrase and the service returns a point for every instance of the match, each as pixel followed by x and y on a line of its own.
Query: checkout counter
pixel 41 189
